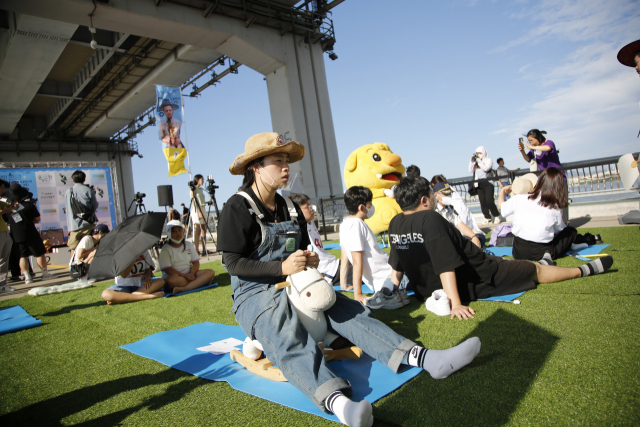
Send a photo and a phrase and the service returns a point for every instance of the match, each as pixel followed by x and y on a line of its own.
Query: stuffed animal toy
pixel 374 166
pixel 310 295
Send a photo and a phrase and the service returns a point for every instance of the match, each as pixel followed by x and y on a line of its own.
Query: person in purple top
pixel 544 151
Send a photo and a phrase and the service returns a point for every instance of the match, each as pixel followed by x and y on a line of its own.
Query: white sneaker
pixel 46 275
pixel 497 220
pixel 28 279
pixel 485 221
pixel 438 303
pixel 6 288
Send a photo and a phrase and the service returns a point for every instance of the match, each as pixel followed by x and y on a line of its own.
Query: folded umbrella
pixel 132 237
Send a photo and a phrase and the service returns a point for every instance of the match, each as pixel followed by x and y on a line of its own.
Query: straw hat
pixel 524 184
pixel 263 144
pixel 628 53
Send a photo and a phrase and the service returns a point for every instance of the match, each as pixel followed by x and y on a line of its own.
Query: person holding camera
pixel 5 238
pixel 480 166
pixel 22 220
pixel 544 152
pixel 80 225
pixel 198 213
pixel 86 248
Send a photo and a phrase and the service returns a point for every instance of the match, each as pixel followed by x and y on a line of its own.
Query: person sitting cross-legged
pixel 180 263
pixel 434 255
pixel 135 283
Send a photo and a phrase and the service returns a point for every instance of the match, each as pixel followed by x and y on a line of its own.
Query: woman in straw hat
pixel 540 233
pixel 260 234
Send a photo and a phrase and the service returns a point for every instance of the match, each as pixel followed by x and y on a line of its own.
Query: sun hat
pixel 263 144
pixel 442 188
pixel 628 53
pixel 173 223
pixel 524 184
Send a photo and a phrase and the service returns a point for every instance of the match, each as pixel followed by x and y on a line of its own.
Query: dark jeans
pixel 487 198
pixel 524 249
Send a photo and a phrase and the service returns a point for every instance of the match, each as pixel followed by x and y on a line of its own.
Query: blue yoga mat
pixel 15 318
pixel 591 250
pixel 193 290
pixel 510 297
pixel 177 349
pixel 337 246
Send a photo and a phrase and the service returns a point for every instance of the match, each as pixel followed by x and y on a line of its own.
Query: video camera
pixel 139 196
pixel 211 185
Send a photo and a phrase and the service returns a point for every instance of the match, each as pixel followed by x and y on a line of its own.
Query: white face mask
pixel 371 211
pixel 446 201
pixel 176 241
pixel 272 180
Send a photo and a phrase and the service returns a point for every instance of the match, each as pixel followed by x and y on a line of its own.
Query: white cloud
pixel 498 132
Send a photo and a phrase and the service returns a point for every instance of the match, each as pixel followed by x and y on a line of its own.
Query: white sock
pixel 578 246
pixel 353 414
pixel 442 363
pixel 27 275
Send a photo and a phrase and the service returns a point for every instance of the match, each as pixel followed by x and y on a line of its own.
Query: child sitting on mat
pixel 135 283
pixel 180 263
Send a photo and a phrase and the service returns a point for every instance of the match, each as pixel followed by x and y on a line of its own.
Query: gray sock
pixel 546 259
pixel 596 266
pixel 442 363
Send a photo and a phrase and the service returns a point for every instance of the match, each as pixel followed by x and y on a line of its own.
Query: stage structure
pixel 78 76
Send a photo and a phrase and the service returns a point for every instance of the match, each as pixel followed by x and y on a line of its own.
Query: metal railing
pixel 586 177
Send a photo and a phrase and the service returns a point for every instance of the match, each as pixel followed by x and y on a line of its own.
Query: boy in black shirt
pixel 434 255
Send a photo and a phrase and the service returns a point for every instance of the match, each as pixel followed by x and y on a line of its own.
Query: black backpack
pixel 81 211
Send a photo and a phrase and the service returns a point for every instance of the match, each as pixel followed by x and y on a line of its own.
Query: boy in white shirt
pixel 135 283
pixel 180 263
pixel 329 264
pixel 370 263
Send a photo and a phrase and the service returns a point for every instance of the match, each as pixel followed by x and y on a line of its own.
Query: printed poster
pixel 49 186
pixel 169 121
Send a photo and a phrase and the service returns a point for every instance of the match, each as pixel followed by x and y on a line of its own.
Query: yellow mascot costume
pixel 376 167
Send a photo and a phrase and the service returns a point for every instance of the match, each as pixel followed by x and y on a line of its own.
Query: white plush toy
pixel 310 296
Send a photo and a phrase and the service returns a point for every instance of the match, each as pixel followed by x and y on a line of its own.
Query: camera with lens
pixel 140 196
pixel 192 184
pixel 211 185
pixel 474 157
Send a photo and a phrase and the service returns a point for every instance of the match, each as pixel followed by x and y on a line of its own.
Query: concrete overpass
pixel 66 102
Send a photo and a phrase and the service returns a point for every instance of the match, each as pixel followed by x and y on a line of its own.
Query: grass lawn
pixel 569 354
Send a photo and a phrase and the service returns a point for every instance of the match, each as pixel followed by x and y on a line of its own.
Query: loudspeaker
pixel 165 195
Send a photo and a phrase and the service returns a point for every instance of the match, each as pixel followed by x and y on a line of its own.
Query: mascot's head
pixel 373 166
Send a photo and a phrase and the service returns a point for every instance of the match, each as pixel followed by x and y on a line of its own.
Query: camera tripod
pixel 140 207
pixel 206 225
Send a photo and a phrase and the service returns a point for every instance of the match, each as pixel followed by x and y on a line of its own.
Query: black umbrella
pixel 132 237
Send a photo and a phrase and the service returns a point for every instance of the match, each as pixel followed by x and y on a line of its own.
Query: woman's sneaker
pixel 384 298
pixel 402 293
pixel 46 275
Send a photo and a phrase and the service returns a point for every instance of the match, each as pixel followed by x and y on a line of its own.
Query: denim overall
pixel 264 313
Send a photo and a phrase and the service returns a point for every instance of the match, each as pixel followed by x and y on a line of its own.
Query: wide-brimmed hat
pixel 442 188
pixel 166 102
pixel 264 144
pixel 628 53
pixel 524 184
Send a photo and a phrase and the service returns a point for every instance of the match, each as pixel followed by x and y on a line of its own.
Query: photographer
pixel 5 238
pixel 22 219
pixel 480 166
pixel 78 226
pixel 198 214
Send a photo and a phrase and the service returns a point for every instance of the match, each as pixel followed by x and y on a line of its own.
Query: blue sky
pixel 434 80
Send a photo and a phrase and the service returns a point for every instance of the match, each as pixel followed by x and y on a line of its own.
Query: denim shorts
pixel 126 289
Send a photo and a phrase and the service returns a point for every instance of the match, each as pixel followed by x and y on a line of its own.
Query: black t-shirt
pixel 23 230
pixel 424 245
pixel 238 231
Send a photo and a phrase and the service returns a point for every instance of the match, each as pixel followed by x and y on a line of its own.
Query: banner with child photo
pixel 169 121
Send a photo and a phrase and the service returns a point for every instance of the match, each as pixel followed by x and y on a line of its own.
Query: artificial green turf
pixel 569 354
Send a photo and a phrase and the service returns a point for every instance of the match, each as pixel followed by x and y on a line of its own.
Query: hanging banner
pixel 169 121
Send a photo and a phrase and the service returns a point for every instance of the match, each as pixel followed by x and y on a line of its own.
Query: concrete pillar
pixel 300 110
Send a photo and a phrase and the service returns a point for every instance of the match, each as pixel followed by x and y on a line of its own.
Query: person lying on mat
pixel 260 235
pixel 434 255
pixel 180 263
pixel 540 233
pixel 135 283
